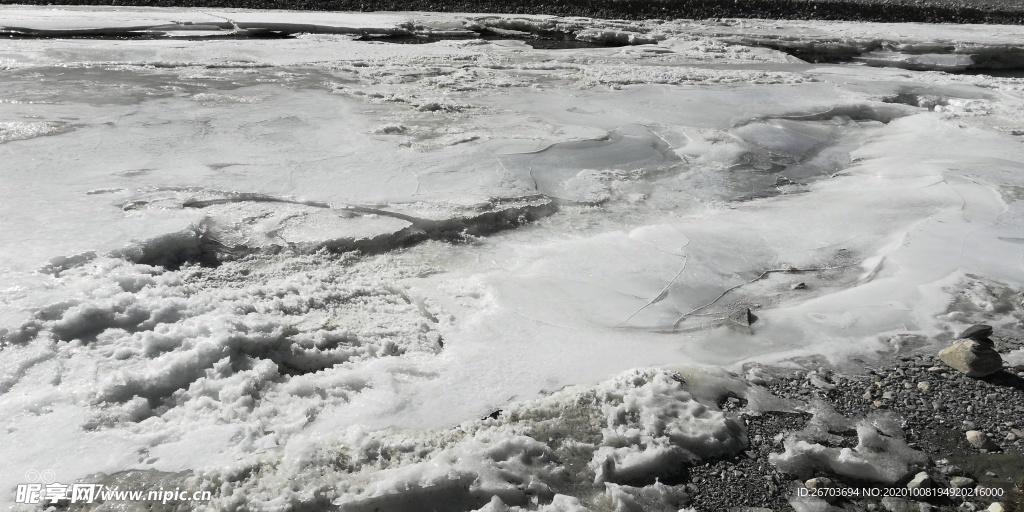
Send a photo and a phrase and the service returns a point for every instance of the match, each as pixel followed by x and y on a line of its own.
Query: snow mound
pixel 655 428
pixel 204 346
pixel 463 477
pixel 525 457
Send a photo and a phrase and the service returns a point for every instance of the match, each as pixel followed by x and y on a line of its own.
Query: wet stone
pixel 975 332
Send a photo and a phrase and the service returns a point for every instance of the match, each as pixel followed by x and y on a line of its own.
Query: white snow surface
pixel 413 236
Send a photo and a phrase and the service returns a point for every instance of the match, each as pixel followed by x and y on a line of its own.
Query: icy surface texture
pixel 527 456
pixel 225 250
pixel 655 428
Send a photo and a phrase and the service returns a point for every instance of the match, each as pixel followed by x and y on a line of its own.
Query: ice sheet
pixel 248 247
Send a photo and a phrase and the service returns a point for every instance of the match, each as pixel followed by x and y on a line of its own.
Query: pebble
pixel 894 504
pixel 977 331
pixel 920 481
pixel 822 483
pixel 819 483
pixel 961 482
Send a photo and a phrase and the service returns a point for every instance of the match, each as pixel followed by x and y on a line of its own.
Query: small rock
pixel 979 440
pixel 923 386
pixel 920 481
pixel 978 331
pixel 996 507
pixel 819 483
pixel 970 425
pixel 745 317
pixel 961 482
pixel 972 357
pixel 893 504
pixel 822 483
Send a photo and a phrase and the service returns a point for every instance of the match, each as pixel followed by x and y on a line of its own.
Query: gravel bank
pixel 935 407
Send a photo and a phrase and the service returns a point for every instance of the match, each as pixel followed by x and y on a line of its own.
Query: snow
pixel 876 458
pixel 247 260
pixel 655 426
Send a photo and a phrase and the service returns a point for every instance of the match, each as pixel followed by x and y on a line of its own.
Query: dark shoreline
pixel 1009 12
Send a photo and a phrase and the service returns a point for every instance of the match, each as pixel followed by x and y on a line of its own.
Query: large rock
pixel 973 357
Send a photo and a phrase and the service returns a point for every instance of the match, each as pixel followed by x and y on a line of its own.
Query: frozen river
pixel 222 249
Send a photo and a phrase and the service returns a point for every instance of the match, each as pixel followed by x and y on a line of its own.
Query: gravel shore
pixel 935 407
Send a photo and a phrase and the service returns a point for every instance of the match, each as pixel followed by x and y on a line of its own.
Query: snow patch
pixel 654 429
pixel 878 457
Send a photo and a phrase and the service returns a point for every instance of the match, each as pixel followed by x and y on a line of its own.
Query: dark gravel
pixel 749 480
pixel 932 404
pixel 936 404
pixel 926 11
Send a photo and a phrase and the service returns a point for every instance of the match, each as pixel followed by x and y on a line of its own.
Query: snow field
pixel 285 270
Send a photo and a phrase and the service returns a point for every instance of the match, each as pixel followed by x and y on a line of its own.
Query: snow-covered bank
pixel 179 291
